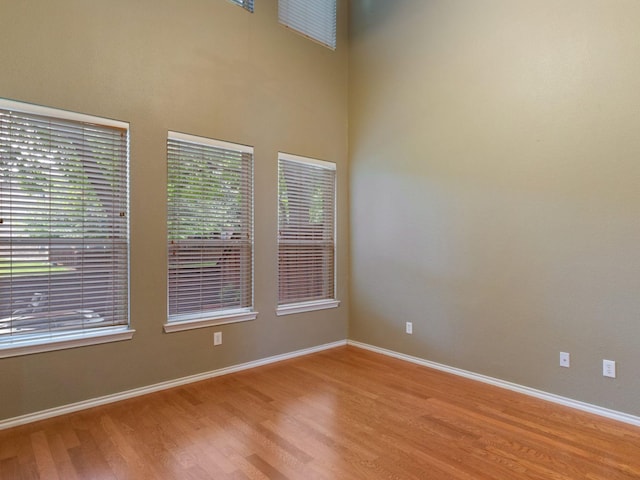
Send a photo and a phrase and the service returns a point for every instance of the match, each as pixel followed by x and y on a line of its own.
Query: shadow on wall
pixel 370 14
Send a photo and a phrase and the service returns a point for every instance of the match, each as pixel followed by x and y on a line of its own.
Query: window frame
pixel 207 318
pixel 70 338
pixel 292 307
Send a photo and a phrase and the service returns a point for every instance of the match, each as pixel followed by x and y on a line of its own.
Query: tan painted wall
pixel 495 188
pixel 204 67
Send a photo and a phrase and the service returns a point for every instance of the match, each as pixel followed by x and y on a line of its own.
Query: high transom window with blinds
pixel 64 234
pixel 306 234
pixel 315 19
pixel 210 232
pixel 246 4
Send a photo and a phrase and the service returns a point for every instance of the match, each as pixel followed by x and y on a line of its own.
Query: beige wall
pixel 204 67
pixel 495 200
pixel 495 188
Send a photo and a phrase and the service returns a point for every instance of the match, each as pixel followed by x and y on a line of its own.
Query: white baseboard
pixel 136 392
pixel 532 392
pixel 54 412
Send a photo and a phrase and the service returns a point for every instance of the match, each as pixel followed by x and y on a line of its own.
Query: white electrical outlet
pixel 565 359
pixel 409 328
pixel 609 368
pixel 217 338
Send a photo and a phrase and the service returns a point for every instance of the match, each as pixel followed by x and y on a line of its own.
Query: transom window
pixel 246 4
pixel 315 19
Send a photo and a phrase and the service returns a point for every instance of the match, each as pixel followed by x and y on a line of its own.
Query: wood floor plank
pixel 43 455
pixel 9 468
pixel 59 452
pixel 345 414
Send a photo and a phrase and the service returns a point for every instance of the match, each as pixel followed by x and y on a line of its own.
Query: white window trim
pixel 62 114
pixel 307 160
pixel 291 308
pixel 224 318
pixel 63 342
pixel 185 137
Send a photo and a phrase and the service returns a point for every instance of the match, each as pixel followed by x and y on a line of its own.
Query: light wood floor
pixel 341 414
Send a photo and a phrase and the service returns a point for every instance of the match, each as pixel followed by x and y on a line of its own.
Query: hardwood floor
pixel 341 414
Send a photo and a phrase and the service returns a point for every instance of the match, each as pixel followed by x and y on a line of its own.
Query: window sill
pixel 223 319
pixel 20 347
pixel 292 308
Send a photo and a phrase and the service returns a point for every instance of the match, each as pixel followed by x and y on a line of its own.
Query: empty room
pixel 320 239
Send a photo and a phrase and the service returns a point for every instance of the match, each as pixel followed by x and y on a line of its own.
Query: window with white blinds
pixel 306 230
pixel 315 19
pixel 210 228
pixel 64 236
pixel 246 4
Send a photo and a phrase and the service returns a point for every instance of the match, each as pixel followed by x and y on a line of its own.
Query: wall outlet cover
pixel 609 368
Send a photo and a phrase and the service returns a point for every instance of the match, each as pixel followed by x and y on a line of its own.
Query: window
pixel 306 234
pixel 64 236
pixel 315 19
pixel 246 4
pixel 210 232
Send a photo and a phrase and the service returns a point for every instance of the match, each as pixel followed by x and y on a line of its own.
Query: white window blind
pixel 64 240
pixel 306 230
pixel 246 4
pixel 210 227
pixel 315 19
